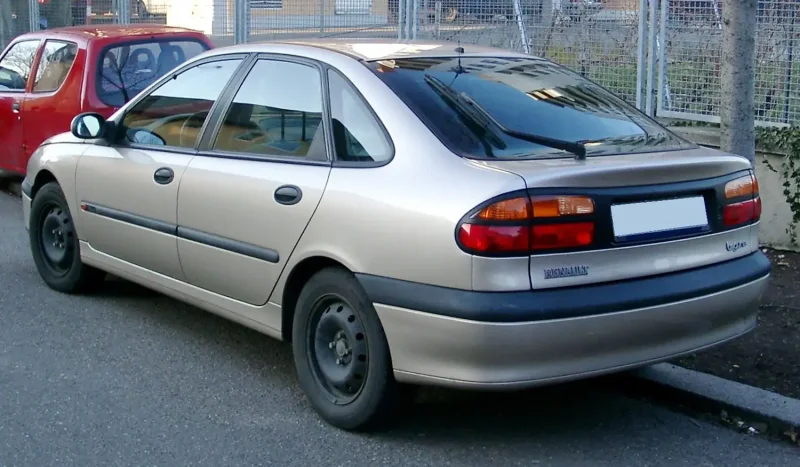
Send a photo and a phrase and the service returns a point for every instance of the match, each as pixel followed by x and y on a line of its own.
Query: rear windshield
pixel 529 95
pixel 127 69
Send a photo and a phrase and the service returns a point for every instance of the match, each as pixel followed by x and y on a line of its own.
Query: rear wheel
pixel 54 244
pixel 341 354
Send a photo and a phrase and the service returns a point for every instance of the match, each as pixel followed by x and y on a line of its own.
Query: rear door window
pixel 54 65
pixel 521 94
pixel 127 69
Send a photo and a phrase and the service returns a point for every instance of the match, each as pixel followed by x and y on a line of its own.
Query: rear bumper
pixel 566 334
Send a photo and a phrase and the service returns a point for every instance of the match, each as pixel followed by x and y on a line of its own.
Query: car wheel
pixel 341 353
pixel 54 244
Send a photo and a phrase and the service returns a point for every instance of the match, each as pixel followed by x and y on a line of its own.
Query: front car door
pixel 128 190
pixel 15 72
pixel 247 197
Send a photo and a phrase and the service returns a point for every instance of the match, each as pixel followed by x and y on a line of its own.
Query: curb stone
pixel 768 411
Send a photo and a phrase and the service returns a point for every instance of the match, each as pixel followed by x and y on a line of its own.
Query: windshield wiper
pixel 462 100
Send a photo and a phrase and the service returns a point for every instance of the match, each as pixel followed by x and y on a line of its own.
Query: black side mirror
pixel 88 126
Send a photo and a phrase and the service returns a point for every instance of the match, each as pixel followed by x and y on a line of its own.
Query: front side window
pixel 492 107
pixel 357 135
pixel 276 112
pixel 127 69
pixel 54 65
pixel 16 65
pixel 174 113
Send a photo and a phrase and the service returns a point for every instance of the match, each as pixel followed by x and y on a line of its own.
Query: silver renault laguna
pixel 407 214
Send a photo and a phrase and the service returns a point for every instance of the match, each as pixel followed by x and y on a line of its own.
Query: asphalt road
pixel 130 377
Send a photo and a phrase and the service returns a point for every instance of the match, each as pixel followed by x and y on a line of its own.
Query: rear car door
pixel 15 71
pixel 128 190
pixel 247 197
pixel 55 95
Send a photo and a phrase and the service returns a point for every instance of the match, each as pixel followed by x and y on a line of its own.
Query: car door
pixel 55 94
pixel 128 190
pixel 15 71
pixel 247 197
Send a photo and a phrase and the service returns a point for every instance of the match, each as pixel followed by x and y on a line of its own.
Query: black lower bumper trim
pixel 27 188
pixel 567 302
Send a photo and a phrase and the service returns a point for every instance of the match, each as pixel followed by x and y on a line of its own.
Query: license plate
pixel 656 220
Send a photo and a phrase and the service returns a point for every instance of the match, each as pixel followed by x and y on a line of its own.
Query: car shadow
pixel 9 183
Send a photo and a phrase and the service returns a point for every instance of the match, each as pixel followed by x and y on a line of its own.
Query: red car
pixel 48 77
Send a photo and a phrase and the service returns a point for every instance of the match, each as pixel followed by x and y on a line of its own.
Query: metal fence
pixel 15 19
pixel 662 55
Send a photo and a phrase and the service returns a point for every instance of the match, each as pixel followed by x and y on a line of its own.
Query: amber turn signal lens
pixel 744 186
pixel 515 209
pixel 557 206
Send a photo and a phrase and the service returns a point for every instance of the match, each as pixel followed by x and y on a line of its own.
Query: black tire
pixel 55 246
pixel 333 299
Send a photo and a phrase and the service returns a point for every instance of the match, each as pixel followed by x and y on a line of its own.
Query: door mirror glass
pixel 88 126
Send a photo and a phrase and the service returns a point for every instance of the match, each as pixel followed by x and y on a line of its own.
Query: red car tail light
pixel 519 226
pixel 743 203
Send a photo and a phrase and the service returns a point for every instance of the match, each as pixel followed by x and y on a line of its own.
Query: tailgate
pixel 653 214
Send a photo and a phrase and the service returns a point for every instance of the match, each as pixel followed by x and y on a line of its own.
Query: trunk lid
pixel 655 213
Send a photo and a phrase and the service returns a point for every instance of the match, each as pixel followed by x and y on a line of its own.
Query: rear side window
pixel 127 69
pixel 16 65
pixel 357 135
pixel 525 95
pixel 54 65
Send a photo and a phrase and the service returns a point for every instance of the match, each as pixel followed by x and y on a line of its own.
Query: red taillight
pixel 744 201
pixel 519 226
pixel 572 235
pixel 494 238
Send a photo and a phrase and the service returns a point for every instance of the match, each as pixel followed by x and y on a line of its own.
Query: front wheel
pixel 341 353
pixel 55 246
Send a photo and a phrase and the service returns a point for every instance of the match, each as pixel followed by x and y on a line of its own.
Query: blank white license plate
pixel 659 218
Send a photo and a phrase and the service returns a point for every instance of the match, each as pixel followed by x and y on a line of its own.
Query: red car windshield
pixel 127 69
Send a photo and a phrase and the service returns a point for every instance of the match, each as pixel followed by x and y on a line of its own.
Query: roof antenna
pixel 460 51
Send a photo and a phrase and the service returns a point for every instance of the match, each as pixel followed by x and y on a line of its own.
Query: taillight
pixel 519 226
pixel 742 201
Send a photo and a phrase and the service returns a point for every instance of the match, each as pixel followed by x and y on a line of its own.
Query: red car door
pixel 15 71
pixel 55 94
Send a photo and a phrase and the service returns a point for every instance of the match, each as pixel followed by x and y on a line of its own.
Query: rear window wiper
pixel 477 117
pixel 463 100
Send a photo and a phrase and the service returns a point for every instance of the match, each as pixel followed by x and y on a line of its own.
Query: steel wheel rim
pixel 338 349
pixel 56 240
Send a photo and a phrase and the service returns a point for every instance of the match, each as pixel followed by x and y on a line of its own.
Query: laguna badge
pixel 735 246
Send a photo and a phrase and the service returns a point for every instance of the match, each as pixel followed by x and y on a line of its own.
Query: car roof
pixel 107 32
pixel 370 49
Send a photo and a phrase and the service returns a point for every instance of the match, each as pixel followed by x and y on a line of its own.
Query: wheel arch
pixel 296 279
pixel 42 178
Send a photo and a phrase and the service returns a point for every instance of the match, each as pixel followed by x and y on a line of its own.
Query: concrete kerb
pixel 760 409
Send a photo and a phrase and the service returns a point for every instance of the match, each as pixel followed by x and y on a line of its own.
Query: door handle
pixel 164 176
pixel 15 107
pixel 288 195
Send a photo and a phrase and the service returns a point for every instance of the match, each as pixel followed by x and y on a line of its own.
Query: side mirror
pixel 88 126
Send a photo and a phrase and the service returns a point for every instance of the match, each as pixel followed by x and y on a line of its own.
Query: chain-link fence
pixel 663 55
pixel 692 52
pixel 15 19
